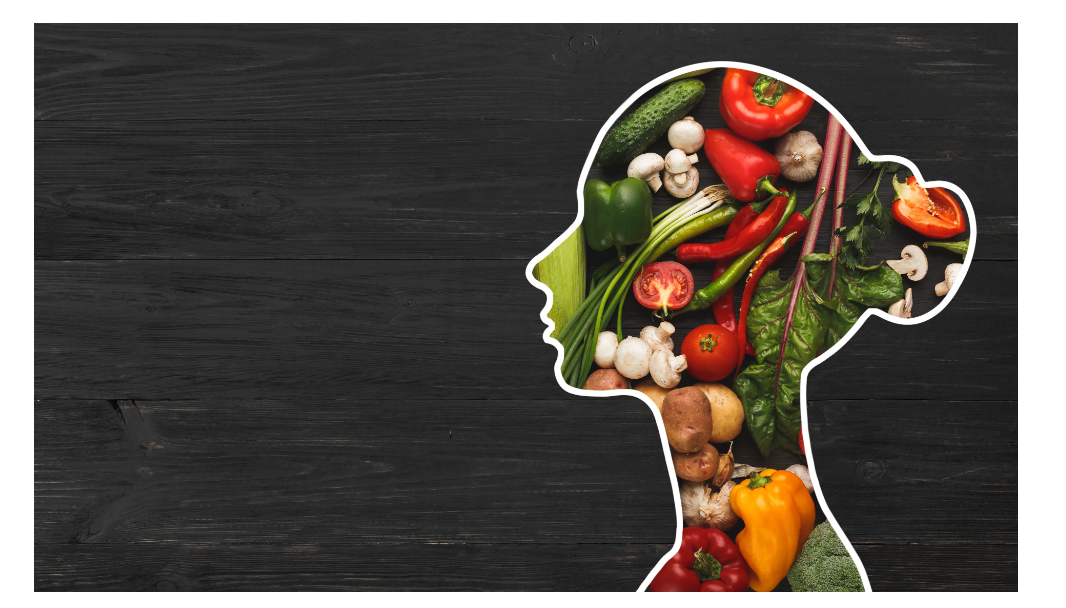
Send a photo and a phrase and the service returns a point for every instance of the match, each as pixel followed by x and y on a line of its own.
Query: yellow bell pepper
pixel 778 516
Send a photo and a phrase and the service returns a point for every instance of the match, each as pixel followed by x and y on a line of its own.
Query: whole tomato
pixel 711 352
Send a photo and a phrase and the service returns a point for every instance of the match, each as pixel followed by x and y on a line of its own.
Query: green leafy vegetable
pixel 770 387
pixel 874 221
pixel 856 290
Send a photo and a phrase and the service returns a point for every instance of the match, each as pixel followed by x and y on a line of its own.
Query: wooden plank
pixel 348 471
pixel 456 566
pixel 240 190
pixel 303 329
pixel 911 465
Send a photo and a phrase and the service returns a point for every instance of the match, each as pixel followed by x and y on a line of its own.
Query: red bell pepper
pixel 706 561
pixel 760 107
pixel 746 169
pixel 750 236
pixel 933 213
pixel 767 259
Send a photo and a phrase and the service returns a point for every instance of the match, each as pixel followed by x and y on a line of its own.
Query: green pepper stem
pixel 621 252
pixel 706 567
pixel 757 480
pixel 959 247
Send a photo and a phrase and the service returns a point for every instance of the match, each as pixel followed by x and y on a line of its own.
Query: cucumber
pixel 647 123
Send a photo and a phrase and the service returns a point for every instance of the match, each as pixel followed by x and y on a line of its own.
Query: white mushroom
pixel 647 167
pixel 914 263
pixel 666 368
pixel 677 165
pixel 659 337
pixel 633 357
pixel 691 179
pixel 799 155
pixel 686 135
pixel 951 273
pixel 606 344
pixel 902 308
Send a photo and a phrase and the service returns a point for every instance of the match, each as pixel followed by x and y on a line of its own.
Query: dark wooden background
pixel 283 339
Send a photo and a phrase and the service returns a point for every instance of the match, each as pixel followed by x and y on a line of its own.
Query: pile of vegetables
pixel 755 531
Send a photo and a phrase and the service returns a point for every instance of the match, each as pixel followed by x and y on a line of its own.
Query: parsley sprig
pixel 875 221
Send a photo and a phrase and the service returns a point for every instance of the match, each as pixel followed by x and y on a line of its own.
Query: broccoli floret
pixel 824 564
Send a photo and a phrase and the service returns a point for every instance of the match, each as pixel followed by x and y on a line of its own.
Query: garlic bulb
pixel 804 475
pixel 799 155
pixel 702 507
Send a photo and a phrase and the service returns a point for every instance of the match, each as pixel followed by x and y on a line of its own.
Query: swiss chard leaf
pixel 770 387
pixel 856 290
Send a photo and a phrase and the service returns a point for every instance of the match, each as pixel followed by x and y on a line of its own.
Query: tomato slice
pixel 711 352
pixel 665 285
pixel 933 213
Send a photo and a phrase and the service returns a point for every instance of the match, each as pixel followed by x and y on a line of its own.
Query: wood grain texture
pixel 278 265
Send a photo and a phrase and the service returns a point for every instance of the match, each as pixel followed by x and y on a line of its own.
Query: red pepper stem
pixel 766 184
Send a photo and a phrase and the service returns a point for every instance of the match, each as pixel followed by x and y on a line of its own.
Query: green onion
pixel 685 220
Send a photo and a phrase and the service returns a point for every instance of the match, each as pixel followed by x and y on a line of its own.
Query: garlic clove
pixel 726 463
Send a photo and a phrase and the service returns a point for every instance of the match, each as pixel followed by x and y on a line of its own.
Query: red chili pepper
pixel 933 213
pixel 723 306
pixel 706 561
pixel 746 169
pixel 767 259
pixel 760 107
pixel 750 236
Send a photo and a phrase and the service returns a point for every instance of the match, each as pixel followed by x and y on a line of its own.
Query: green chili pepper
pixel 707 296
pixel 617 215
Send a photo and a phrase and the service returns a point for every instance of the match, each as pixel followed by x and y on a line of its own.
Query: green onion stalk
pixel 710 208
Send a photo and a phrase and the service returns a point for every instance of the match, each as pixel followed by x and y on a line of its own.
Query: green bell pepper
pixel 617 215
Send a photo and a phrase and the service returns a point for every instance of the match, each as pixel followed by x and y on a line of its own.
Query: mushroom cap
pixel 692 183
pixel 912 263
pixel 686 135
pixel 677 161
pixel 632 358
pixel 606 344
pixel 645 166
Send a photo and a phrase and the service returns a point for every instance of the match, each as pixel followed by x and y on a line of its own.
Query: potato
pixel 605 380
pixel 697 466
pixel 655 392
pixel 687 418
pixel 726 410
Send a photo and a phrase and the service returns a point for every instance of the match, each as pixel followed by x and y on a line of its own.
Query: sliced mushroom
pixel 647 167
pixel 689 182
pixel 902 308
pixel 686 135
pixel 951 273
pixel 914 264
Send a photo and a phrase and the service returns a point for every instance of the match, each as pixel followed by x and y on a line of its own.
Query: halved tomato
pixel 933 213
pixel 663 285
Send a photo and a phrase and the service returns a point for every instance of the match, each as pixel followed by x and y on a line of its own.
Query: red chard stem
pixel 838 207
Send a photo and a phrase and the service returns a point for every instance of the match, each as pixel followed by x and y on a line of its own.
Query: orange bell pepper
pixel 778 516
